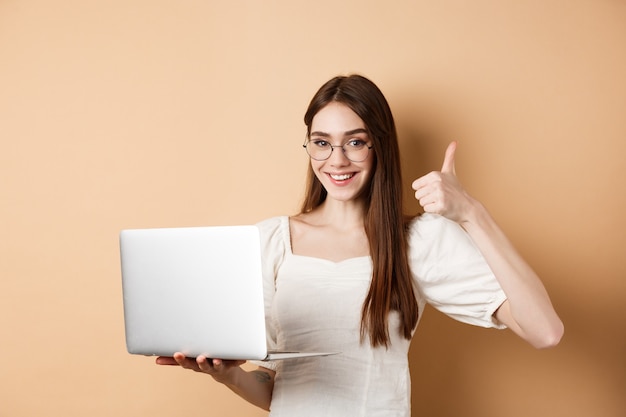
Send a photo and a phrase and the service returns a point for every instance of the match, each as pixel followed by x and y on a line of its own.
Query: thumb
pixel 448 161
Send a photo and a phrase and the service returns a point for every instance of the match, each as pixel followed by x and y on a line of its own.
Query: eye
pixel 356 143
pixel 320 143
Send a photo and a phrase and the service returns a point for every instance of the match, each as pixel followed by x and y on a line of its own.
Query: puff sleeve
pixel 272 254
pixel 451 274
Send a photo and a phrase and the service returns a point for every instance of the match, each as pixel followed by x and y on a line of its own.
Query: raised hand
pixel 440 192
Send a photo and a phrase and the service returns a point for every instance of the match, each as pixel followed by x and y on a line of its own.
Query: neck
pixel 341 214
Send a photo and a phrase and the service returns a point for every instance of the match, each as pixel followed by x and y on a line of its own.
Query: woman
pixel 350 273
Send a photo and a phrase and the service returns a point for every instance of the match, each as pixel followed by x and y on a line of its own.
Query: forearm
pixel 254 386
pixel 529 311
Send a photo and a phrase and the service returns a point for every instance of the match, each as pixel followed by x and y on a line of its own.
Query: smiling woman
pixel 344 174
pixel 351 273
pixel 160 113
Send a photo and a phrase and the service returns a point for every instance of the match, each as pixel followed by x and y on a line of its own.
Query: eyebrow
pixel 348 133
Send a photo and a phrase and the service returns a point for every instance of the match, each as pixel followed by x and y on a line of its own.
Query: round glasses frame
pixel 365 149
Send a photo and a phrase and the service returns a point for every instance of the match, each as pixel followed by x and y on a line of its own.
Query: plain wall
pixel 118 114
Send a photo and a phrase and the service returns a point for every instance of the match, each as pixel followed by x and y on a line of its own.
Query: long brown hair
pixel 385 225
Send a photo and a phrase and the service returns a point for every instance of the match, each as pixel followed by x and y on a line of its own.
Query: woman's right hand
pixel 254 386
pixel 221 370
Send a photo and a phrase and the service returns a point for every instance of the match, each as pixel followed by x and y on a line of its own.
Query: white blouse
pixel 314 304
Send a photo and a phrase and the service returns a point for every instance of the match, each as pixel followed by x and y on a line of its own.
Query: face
pixel 338 125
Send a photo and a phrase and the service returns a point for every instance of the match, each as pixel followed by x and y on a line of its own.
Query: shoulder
pixel 430 226
pixel 301 224
pixel 271 224
pixel 274 233
pixel 274 236
pixel 433 237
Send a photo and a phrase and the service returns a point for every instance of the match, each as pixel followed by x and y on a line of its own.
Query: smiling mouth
pixel 341 177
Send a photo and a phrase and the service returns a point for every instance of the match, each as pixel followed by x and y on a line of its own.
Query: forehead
pixel 336 118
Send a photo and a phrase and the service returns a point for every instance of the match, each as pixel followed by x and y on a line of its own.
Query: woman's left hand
pixel 527 310
pixel 440 192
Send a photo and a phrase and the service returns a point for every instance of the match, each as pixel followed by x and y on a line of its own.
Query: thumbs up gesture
pixel 440 192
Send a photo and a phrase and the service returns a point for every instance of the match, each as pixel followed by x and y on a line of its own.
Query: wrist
pixel 231 377
pixel 474 212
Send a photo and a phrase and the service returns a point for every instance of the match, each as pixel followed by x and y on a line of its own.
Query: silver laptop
pixel 196 290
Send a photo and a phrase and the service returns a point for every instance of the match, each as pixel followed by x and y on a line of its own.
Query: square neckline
pixel 286 226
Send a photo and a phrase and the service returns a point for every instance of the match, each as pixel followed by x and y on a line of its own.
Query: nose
pixel 338 157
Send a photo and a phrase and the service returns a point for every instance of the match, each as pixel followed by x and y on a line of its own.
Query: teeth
pixel 341 177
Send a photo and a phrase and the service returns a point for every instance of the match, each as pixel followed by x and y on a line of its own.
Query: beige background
pixel 129 113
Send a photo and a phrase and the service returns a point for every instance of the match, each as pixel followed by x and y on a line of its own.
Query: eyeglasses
pixel 356 150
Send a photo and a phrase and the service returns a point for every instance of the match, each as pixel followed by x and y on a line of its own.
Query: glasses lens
pixel 356 154
pixel 356 150
pixel 319 150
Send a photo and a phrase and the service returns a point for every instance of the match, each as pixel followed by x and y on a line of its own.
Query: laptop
pixel 196 290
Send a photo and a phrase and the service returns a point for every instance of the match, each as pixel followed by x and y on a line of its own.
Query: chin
pixel 344 197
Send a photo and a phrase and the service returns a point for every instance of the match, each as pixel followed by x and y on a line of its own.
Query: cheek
pixel 369 166
pixel 316 166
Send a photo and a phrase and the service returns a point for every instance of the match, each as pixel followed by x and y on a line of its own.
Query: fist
pixel 440 192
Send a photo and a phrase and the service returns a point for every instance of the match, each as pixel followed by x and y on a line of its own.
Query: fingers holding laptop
pixel 217 368
pixel 254 386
